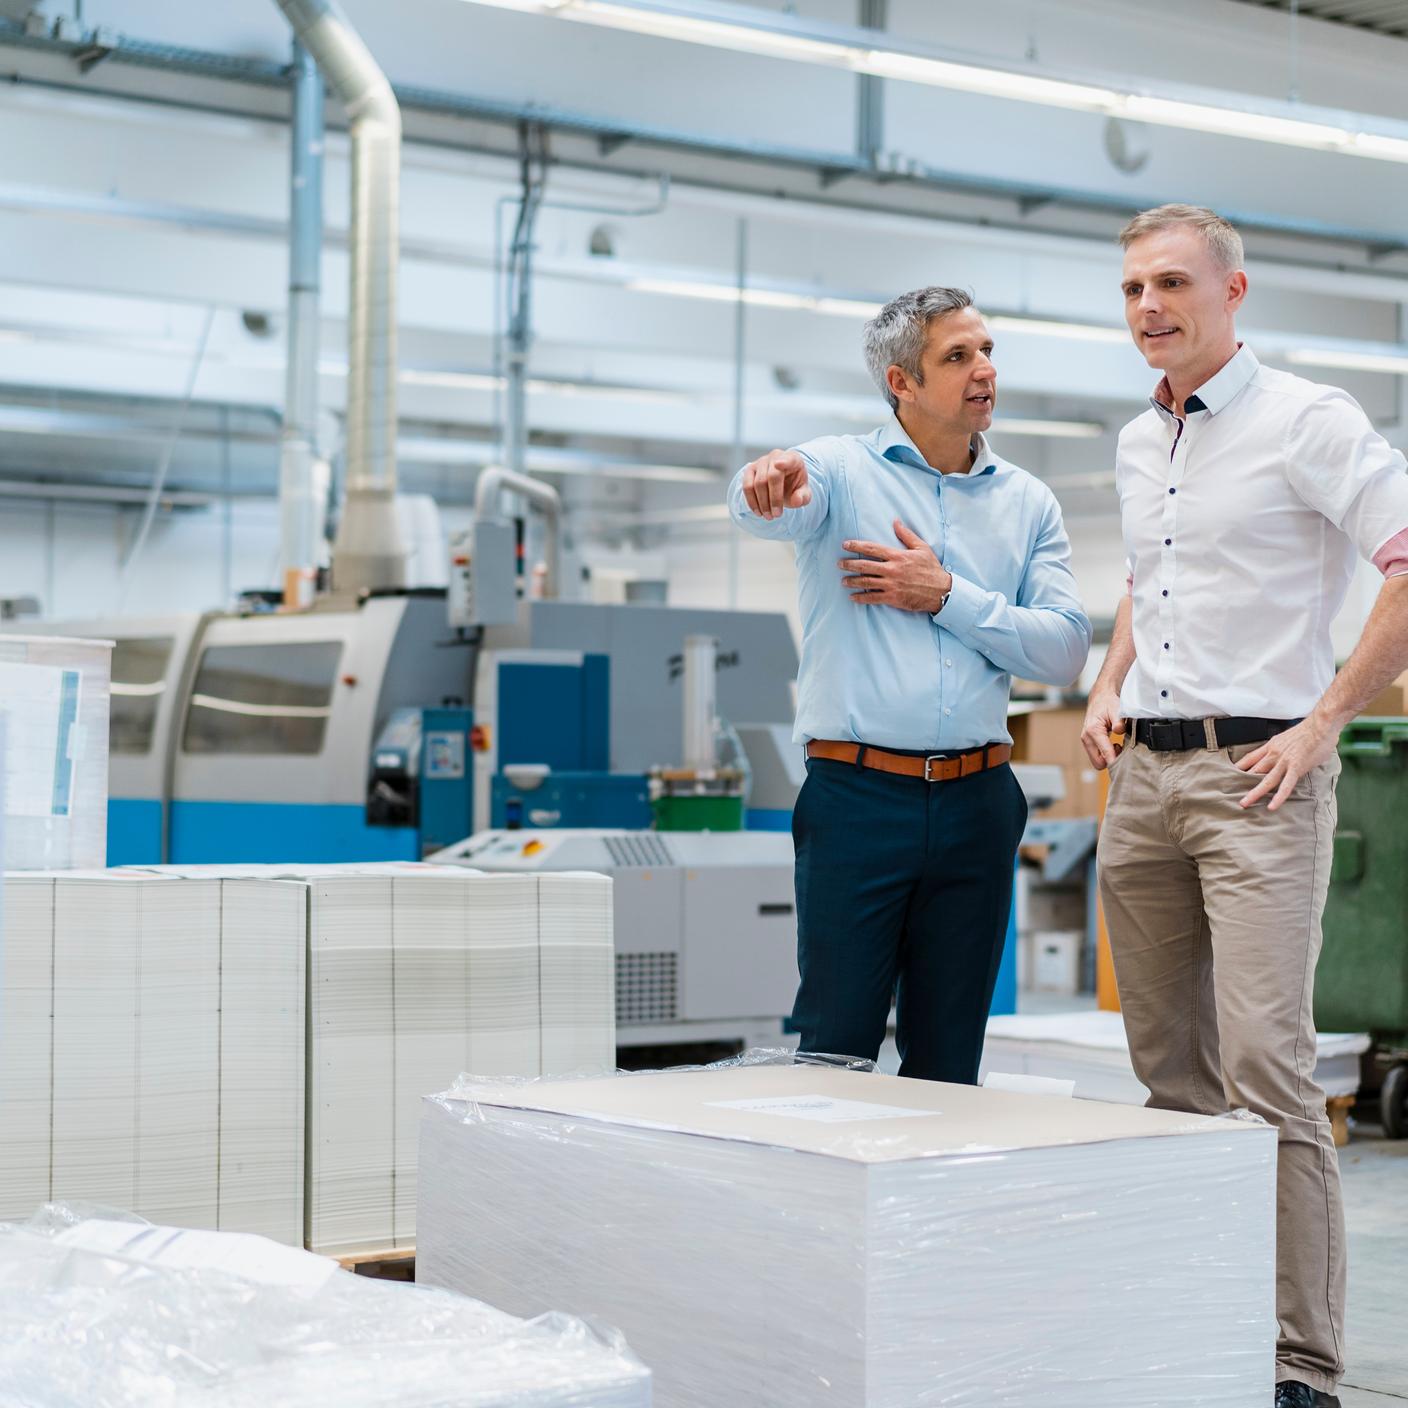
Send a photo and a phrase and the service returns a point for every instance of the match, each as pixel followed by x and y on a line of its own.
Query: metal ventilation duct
pixel 369 553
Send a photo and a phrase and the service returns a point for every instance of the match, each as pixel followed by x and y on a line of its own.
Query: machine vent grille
pixel 647 987
pixel 641 848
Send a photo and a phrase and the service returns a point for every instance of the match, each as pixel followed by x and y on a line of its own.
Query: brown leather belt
pixel 934 768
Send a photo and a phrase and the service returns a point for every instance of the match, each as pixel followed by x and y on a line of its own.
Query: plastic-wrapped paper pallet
pixel 118 1314
pixel 1091 1049
pixel 54 702
pixel 794 1236
pixel 151 1044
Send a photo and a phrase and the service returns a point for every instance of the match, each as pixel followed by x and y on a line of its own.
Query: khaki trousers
pixel 1214 921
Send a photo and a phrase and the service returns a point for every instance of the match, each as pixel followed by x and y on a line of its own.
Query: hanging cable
pixel 168 450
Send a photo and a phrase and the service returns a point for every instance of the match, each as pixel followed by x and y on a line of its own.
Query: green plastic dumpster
pixel 1362 981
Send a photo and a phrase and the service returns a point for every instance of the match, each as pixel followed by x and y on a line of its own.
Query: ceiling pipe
pixel 300 504
pixel 369 553
pixel 496 480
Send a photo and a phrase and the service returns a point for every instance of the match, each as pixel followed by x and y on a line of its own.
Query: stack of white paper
pixel 417 972
pixel 26 1043
pixel 796 1236
pixel 115 1314
pixel 153 1048
pixel 263 1034
pixel 576 947
pixel 54 702
pixel 178 1033
pixel 1091 1049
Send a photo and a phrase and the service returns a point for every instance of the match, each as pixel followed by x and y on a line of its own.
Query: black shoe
pixel 1294 1394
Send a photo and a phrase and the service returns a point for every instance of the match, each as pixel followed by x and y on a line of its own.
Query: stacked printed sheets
pixel 159 1021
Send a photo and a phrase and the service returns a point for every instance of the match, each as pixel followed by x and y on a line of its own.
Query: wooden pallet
pixel 1339 1107
pixel 389 1264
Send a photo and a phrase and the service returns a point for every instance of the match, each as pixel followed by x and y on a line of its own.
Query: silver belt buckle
pixel 931 759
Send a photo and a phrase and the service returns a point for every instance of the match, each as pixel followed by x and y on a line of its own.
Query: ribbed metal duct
pixel 300 506
pixel 494 482
pixel 369 552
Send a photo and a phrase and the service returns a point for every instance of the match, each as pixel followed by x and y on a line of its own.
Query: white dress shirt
pixel 1241 523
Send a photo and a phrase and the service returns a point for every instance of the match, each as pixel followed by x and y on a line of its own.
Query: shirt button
pixel 1164 592
pixel 1163 694
pixel 1173 491
pixel 1168 542
pixel 948 664
pixel 1165 645
pixel 947 712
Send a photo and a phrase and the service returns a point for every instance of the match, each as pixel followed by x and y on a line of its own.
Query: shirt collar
pixel 893 442
pixel 1215 393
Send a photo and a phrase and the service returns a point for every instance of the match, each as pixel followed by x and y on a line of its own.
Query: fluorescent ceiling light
pixel 755 297
pixel 863 308
pixel 428 449
pixel 1050 327
pixel 1349 361
pixel 750 30
pixel 1049 429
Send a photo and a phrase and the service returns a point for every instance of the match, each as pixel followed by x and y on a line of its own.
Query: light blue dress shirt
pixel 903 679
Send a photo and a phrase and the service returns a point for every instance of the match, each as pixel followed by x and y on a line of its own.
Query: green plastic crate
pixel 1362 981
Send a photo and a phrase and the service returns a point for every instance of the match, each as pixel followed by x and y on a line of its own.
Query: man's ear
pixel 900 384
pixel 1236 290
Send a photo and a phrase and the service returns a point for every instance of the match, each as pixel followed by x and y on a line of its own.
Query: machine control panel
pixel 483 589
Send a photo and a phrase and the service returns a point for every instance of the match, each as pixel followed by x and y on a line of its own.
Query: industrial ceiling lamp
pixel 746 29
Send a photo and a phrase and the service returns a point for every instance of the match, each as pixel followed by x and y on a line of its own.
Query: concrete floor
pixel 1375 1173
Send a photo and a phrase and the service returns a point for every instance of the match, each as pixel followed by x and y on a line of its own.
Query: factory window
pixel 262 698
pixel 138 679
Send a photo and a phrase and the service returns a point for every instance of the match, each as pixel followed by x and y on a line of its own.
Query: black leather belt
pixel 1183 735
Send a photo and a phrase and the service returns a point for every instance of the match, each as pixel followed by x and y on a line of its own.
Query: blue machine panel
pixel 556 714
pixel 617 801
pixel 767 819
pixel 446 795
pixel 253 832
pixel 134 831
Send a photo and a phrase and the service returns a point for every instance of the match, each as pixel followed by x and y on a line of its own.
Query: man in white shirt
pixel 1245 496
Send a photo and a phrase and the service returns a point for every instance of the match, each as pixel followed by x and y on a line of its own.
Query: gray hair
pixel 895 336
pixel 1221 235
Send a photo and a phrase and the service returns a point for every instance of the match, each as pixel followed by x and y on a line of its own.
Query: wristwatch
pixel 943 601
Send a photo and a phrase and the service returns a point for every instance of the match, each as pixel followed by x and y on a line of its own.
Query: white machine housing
pixel 705 923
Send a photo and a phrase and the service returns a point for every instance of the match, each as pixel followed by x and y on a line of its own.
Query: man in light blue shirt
pixel 929 572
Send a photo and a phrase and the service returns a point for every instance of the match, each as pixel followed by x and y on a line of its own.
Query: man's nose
pixel 983 369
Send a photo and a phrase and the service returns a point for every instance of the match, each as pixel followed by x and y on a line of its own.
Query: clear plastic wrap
pixel 100 1313
pixel 55 698
pixel 780 1235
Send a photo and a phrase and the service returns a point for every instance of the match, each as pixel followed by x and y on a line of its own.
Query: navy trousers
pixel 904 889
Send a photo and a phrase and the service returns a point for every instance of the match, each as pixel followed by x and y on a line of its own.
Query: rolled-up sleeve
pixel 796 524
pixel 1342 467
pixel 1045 635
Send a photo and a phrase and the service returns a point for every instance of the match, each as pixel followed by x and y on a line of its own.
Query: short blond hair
pixel 1221 235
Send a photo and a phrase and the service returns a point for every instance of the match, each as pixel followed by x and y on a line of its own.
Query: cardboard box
pixel 1053 736
pixel 786 1236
